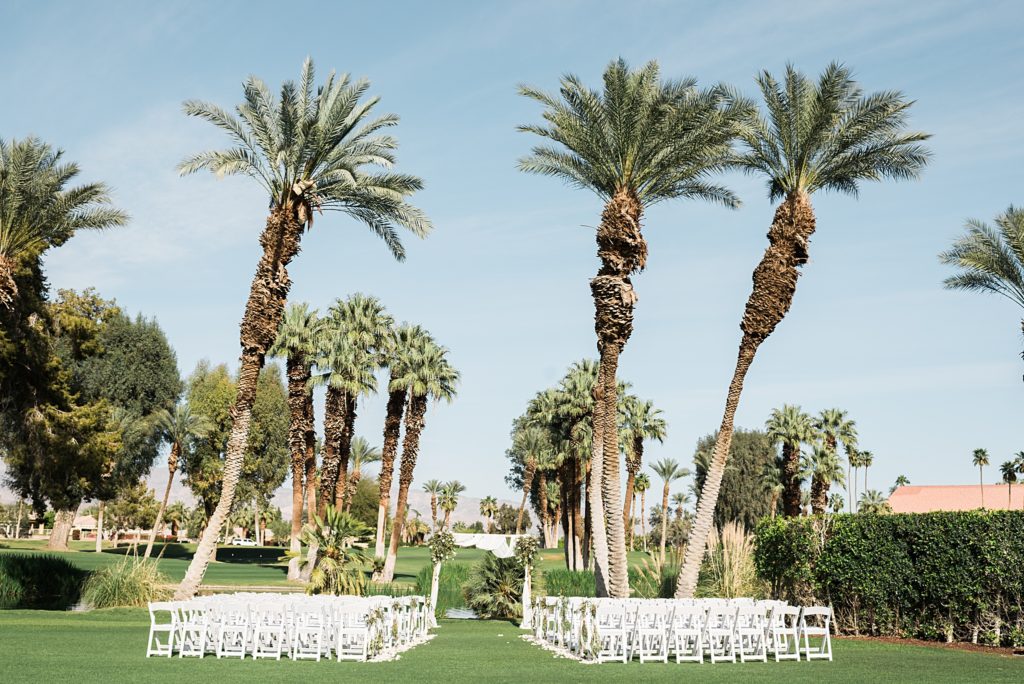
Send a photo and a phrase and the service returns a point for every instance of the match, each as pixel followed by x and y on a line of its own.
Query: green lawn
pixel 105 646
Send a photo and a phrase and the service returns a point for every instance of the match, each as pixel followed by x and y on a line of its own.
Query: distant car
pixel 243 542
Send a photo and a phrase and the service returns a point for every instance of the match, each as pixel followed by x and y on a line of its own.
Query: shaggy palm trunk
pixel 633 462
pixel 790 480
pixel 773 504
pixel 774 286
pixel 8 286
pixel 572 522
pixel 664 524
pixel 299 426
pixel 62 523
pixel 172 467
pixel 622 251
pixel 99 525
pixel 353 483
pixel 598 533
pixel 330 465
pixel 643 518
pixel 531 471
pixel 545 514
pixel 414 422
pixel 433 511
pixel 587 543
pixel 392 431
pixel 981 485
pixel 447 517
pixel 345 452
pixel 819 494
pixel 263 312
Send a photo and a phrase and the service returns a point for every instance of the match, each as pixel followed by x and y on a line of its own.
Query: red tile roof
pixel 924 499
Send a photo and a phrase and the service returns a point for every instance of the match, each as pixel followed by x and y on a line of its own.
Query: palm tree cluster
pixel 553 463
pixel 343 351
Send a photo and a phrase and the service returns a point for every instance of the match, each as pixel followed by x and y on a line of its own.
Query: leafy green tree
pixel 506 517
pixel 310 150
pixel 176 514
pixel 364 501
pixel 742 494
pixel 790 427
pixel 638 142
pixel 824 136
pixel 135 508
pixel 362 455
pixel 990 259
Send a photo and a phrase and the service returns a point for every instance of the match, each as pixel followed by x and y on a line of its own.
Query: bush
pixel 495 588
pixel 950 575
pixel 651 581
pixel 131 582
pixel 562 582
pixel 729 570
pixel 39 582
pixel 449 586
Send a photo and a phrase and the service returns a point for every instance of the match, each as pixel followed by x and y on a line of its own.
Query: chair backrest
pixel 819 616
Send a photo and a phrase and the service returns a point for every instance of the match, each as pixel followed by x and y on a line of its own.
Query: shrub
pixel 132 581
pixel 39 582
pixel 495 588
pixel 340 541
pixel 449 586
pixel 562 582
pixel 729 570
pixel 653 580
pixel 949 575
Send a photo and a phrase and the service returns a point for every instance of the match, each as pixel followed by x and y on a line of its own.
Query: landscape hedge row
pixel 39 582
pixel 952 576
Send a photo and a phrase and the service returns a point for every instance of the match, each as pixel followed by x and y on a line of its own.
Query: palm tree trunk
pixel 99 525
pixel 447 517
pixel 63 521
pixel 298 397
pixel 21 510
pixel 392 430
pixel 345 452
pixel 819 494
pixel 981 484
pixel 774 286
pixel 596 530
pixel 433 511
pixel 531 469
pixel 172 467
pixel 587 535
pixel 263 312
pixel 545 516
pixel 353 483
pixel 664 524
pixel 791 503
pixel 633 463
pixel 330 465
pixel 643 518
pixel 414 423
pixel 865 479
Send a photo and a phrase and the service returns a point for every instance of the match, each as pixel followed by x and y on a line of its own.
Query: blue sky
pixel 928 374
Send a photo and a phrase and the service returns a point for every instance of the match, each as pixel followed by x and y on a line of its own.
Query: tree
pixel 669 471
pixel 534 446
pixel 362 455
pixel 398 349
pixel 834 428
pixel 980 460
pixel 547 462
pixel 865 458
pixel 642 422
pixel 310 152
pixel 134 508
pixel 826 136
pixel 178 429
pixel 771 484
pixel 1009 472
pixel 449 500
pixel 434 488
pixel 901 481
pixel 297 343
pixel 990 259
pixel 488 507
pixel 338 565
pixel 873 502
pixel 640 485
pixel 742 495
pixel 824 469
pixel 430 375
pixel 790 427
pixel 638 142
pixel 39 211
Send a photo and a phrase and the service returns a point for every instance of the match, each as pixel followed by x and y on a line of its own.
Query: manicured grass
pixel 104 646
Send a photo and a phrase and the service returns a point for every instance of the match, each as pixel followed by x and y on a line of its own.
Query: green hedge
pixel 39 582
pixel 952 576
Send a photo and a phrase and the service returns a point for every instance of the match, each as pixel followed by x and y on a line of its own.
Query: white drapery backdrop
pixel 502 546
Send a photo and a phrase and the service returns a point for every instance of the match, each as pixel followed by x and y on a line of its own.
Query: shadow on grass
pixel 258 555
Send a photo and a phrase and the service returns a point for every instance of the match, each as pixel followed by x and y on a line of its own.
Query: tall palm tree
pixel 669 471
pixel 790 427
pixel 771 483
pixel 817 136
pixel 825 470
pixel 835 429
pixel 178 429
pixel 642 422
pixel 866 458
pixel 990 259
pixel 297 343
pixel 1009 472
pixel 533 443
pixel 640 485
pixel 363 454
pixel 434 488
pixel 638 142
pixel 547 461
pixel 176 514
pixel 429 376
pixel 398 348
pixel 901 481
pixel 449 500
pixel 980 460
pixel 679 501
pixel 310 151
pixel 873 501
pixel 39 211
pixel 488 509
pixel 552 497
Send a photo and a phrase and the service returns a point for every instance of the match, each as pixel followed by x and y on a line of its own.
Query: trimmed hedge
pixel 39 582
pixel 952 576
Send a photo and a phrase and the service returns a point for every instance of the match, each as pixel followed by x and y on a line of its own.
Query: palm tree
pixel 433 487
pixel 429 375
pixel 865 458
pixel 397 348
pixel 990 259
pixel 533 442
pixel 547 461
pixel 679 501
pixel 873 502
pixel 340 541
pixel 825 470
pixel 640 485
pixel 449 499
pixel 669 471
pixel 835 429
pixel 642 422
pixel 488 509
pixel 835 502
pixel 178 429
pixel 39 211
pixel 901 481
pixel 552 497
pixel 363 454
pixel 981 460
pixel 297 343
pixel 771 483
pixel 639 142
pixel 824 136
pixel 790 427
pixel 1009 472
pixel 310 152
pixel 176 514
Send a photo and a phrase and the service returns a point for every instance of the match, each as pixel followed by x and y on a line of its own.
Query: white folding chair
pixel 193 628
pixel 688 626
pixel 750 633
pixel 307 632
pixel 783 629
pixel 651 632
pixel 611 632
pixel 231 634
pixel 814 623
pixel 353 634
pixel 156 646
pixel 269 633
pixel 720 634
